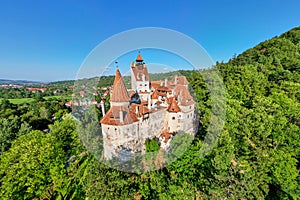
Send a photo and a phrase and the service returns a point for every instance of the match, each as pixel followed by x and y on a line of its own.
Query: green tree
pixel 32 168
pixel 152 145
pixel 10 129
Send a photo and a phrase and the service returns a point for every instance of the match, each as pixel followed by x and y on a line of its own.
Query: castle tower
pixel 139 75
pixel 119 95
pixel 119 122
pixel 173 116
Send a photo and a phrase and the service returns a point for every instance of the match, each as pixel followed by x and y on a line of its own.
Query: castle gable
pixel 113 116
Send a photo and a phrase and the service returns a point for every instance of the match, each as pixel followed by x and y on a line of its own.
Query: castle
pixel 151 109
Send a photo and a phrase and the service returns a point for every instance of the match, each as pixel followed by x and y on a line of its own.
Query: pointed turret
pixel 173 107
pixel 139 58
pixel 154 95
pixel 119 93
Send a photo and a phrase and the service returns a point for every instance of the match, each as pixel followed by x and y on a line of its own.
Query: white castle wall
pixel 132 135
pixel 187 118
pixel 172 122
pixel 114 136
pixel 152 126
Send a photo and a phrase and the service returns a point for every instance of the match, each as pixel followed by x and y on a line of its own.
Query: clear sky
pixel 48 40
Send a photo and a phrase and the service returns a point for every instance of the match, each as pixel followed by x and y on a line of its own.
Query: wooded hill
pixel 257 155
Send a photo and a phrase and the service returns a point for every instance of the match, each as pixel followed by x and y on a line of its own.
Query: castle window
pixel 173 118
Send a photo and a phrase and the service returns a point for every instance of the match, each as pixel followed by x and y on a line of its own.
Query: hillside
pixel 263 106
pixel 256 157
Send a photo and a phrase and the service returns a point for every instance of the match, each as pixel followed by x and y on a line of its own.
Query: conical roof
pixel 119 93
pixel 154 95
pixel 139 58
pixel 173 107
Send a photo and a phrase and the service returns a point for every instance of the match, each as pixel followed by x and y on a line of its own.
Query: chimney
pixel 149 101
pixel 176 77
pixel 136 109
pixel 102 104
pixel 166 82
pixel 179 98
pixel 121 116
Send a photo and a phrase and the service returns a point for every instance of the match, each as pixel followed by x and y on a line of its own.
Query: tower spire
pixel 139 58
pixel 119 93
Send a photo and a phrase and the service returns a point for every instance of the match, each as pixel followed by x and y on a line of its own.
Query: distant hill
pixel 18 82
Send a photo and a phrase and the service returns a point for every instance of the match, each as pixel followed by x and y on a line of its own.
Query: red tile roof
pixel 119 93
pixel 180 80
pixel 155 84
pixel 164 88
pixel 170 100
pixel 167 135
pixel 187 99
pixel 36 89
pixel 142 110
pixel 112 117
pixel 163 94
pixel 154 95
pixel 143 92
pixel 173 107
pixel 139 58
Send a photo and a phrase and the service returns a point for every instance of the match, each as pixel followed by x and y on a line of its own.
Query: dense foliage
pixel 257 155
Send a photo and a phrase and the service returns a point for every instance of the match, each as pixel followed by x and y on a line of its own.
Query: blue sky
pixel 48 40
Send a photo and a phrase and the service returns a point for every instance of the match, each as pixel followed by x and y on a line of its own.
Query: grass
pixel 20 101
pixel 58 97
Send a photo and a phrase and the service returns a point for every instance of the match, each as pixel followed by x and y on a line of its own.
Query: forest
pixel 256 157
